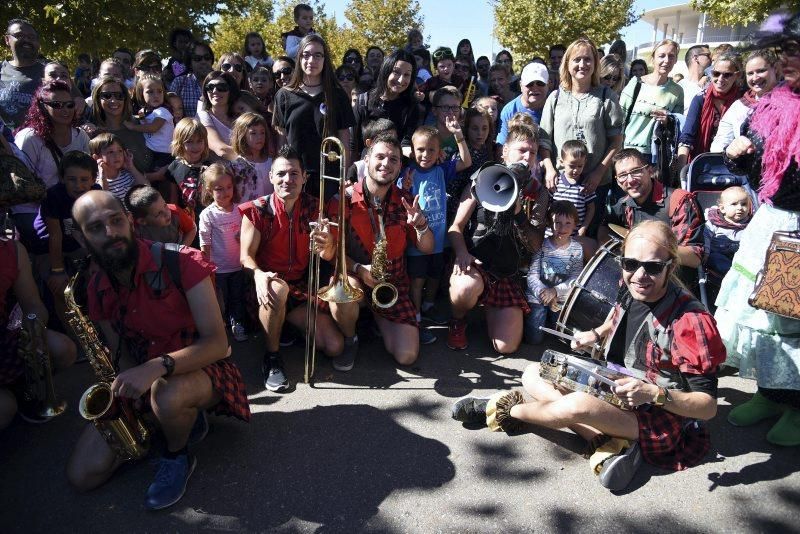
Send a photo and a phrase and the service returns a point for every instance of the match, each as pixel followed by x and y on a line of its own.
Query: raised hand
pixel 415 216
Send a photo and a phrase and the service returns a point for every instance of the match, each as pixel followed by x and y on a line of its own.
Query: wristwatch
pixel 169 364
pixel 662 397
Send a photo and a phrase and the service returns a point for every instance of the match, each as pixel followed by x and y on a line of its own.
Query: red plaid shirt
pixel 676 207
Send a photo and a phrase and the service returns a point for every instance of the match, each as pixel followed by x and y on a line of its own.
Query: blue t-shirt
pixel 430 185
pixel 511 109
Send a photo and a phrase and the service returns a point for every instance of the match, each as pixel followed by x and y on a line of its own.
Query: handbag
pixel 18 184
pixel 777 288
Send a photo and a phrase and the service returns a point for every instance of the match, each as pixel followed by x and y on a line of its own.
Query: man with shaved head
pixel 174 334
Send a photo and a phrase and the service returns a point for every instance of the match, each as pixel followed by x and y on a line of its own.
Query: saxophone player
pixel 276 232
pixel 175 335
pixel 383 221
pixel 16 282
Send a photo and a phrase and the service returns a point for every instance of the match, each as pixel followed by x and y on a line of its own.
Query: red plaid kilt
pixel 227 382
pixel 403 311
pixel 298 294
pixel 671 441
pixel 501 292
pixel 11 365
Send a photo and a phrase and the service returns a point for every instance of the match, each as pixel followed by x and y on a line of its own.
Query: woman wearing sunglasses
pixel 49 132
pixel 708 106
pixel 585 110
pixel 234 64
pixel 352 57
pixel 220 92
pixel 763 345
pixel 612 73
pixel 312 107
pixel 393 98
pixel 672 351
pixel 111 107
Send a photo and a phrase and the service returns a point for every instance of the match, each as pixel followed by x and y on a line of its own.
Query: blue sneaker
pixel 170 482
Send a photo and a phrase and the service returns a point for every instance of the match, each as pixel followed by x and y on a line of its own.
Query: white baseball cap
pixel 533 72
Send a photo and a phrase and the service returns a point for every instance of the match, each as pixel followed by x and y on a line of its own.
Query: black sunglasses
pixel 204 57
pixel 109 95
pixel 653 268
pixel 56 104
pixel 219 87
pixel 611 78
pixel 228 66
pixel 725 75
pixel 352 59
pixel 285 71
pixel 343 77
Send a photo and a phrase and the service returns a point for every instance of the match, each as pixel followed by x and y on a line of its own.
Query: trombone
pixel 340 290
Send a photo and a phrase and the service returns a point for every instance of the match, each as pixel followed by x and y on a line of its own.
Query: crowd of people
pixel 197 188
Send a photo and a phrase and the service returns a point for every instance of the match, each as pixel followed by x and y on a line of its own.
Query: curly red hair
pixel 37 118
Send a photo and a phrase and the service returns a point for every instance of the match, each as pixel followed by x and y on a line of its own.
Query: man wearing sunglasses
pixel 671 353
pixel 19 77
pixel 697 59
pixel 199 59
pixel 649 199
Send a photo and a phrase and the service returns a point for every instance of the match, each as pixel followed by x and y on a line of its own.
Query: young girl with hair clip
pixel 255 51
pixel 220 226
pixel 252 141
pixel 155 118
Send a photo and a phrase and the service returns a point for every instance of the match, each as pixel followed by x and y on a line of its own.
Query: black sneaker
pixel 347 359
pixel 274 375
pixel 617 471
pixel 288 336
pixel 470 409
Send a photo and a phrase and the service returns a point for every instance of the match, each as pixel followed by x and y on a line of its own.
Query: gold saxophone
pixel 39 386
pixel 384 294
pixel 115 419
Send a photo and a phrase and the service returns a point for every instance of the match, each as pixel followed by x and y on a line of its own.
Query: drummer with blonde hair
pixel 673 351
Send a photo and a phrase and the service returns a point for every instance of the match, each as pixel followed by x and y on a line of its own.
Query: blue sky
pixel 447 22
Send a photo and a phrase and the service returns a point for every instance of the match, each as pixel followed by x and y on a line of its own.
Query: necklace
pixel 309 85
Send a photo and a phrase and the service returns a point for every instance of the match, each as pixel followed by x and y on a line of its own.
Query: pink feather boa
pixel 775 119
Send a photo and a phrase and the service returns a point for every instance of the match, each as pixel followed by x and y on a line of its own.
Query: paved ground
pixel 375 450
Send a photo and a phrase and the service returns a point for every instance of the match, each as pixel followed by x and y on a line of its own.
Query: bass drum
pixel 594 293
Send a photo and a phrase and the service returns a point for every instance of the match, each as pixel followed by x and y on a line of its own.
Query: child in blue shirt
pixel 428 179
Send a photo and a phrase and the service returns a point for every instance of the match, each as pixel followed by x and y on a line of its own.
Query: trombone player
pixel 383 221
pixel 275 244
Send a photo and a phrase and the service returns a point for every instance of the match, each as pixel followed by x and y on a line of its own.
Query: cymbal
pixel 621 231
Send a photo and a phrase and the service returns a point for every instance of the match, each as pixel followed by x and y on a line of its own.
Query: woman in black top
pixel 311 107
pixel 393 98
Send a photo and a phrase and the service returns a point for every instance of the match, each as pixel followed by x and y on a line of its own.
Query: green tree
pixel 732 12
pixel 383 23
pixel 99 26
pixel 529 28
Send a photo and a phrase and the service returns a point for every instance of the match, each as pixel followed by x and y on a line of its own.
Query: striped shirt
pixel 572 192
pixel 120 185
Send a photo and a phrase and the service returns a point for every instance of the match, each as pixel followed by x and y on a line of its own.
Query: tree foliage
pixel 98 27
pixel 383 23
pixel 529 28
pixel 742 12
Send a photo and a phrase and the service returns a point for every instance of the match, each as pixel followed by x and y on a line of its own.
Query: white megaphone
pixel 495 186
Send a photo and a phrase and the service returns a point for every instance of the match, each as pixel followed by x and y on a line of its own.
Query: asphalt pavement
pixel 375 450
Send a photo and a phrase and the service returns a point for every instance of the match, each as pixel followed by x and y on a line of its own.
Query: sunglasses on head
pixel 653 268
pixel 231 66
pixel 285 71
pixel 445 53
pixel 56 104
pixel 724 75
pixel 218 87
pixel 109 95
pixel 204 57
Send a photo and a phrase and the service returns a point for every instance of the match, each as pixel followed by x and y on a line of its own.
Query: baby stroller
pixel 707 176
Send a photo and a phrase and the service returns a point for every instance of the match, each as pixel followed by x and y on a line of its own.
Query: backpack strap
pixel 164 254
pixel 633 101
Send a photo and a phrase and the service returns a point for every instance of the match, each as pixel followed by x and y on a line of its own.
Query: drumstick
pixel 562 335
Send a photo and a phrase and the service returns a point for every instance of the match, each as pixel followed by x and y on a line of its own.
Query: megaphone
pixel 496 187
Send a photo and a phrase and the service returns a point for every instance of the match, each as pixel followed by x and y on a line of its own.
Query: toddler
pixel 570 184
pixel 255 52
pixel 156 121
pixel 724 225
pixel 117 173
pixel 180 181
pixel 552 271
pixel 428 181
pixel 156 220
pixel 220 224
